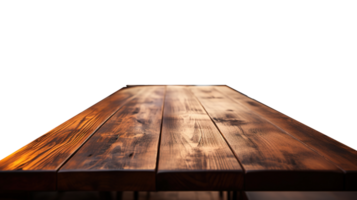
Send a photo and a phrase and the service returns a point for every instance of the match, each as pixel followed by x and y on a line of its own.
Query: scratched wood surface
pixel 178 138
pixel 122 154
pixel 342 155
pixel 193 153
pixel 34 166
pixel 272 159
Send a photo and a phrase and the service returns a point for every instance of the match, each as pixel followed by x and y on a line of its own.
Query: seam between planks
pixel 219 131
pixel 159 144
pixel 313 149
pixel 90 136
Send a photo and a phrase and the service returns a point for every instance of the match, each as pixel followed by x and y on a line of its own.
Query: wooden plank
pixel 34 166
pixel 342 155
pixel 272 159
pixel 335 195
pixel 193 153
pixel 122 154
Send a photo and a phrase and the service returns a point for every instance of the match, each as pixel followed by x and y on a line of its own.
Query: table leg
pixel 235 195
pixel 119 195
pixel 105 195
pixel 228 195
pixel 136 195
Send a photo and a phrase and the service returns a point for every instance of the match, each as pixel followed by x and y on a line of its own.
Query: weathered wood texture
pixel 122 154
pixel 272 159
pixel 301 195
pixel 342 155
pixel 34 166
pixel 114 145
pixel 193 153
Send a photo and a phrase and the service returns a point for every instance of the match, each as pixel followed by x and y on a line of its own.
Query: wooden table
pixel 180 138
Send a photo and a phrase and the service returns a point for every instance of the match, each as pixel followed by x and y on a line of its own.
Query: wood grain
pixel 122 154
pixel 342 155
pixel 193 153
pixel 272 159
pixel 34 166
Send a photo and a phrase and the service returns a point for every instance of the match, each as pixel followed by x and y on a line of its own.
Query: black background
pixel 35 108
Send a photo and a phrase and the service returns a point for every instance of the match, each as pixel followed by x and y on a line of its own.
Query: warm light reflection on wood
pixel 212 138
pixel 127 141
pixel 52 149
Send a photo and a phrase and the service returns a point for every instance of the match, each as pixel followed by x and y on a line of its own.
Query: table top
pixel 180 138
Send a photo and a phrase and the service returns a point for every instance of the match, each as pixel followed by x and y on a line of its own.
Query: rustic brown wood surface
pixel 342 155
pixel 122 154
pixel 272 159
pixel 34 166
pixel 177 138
pixel 193 153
